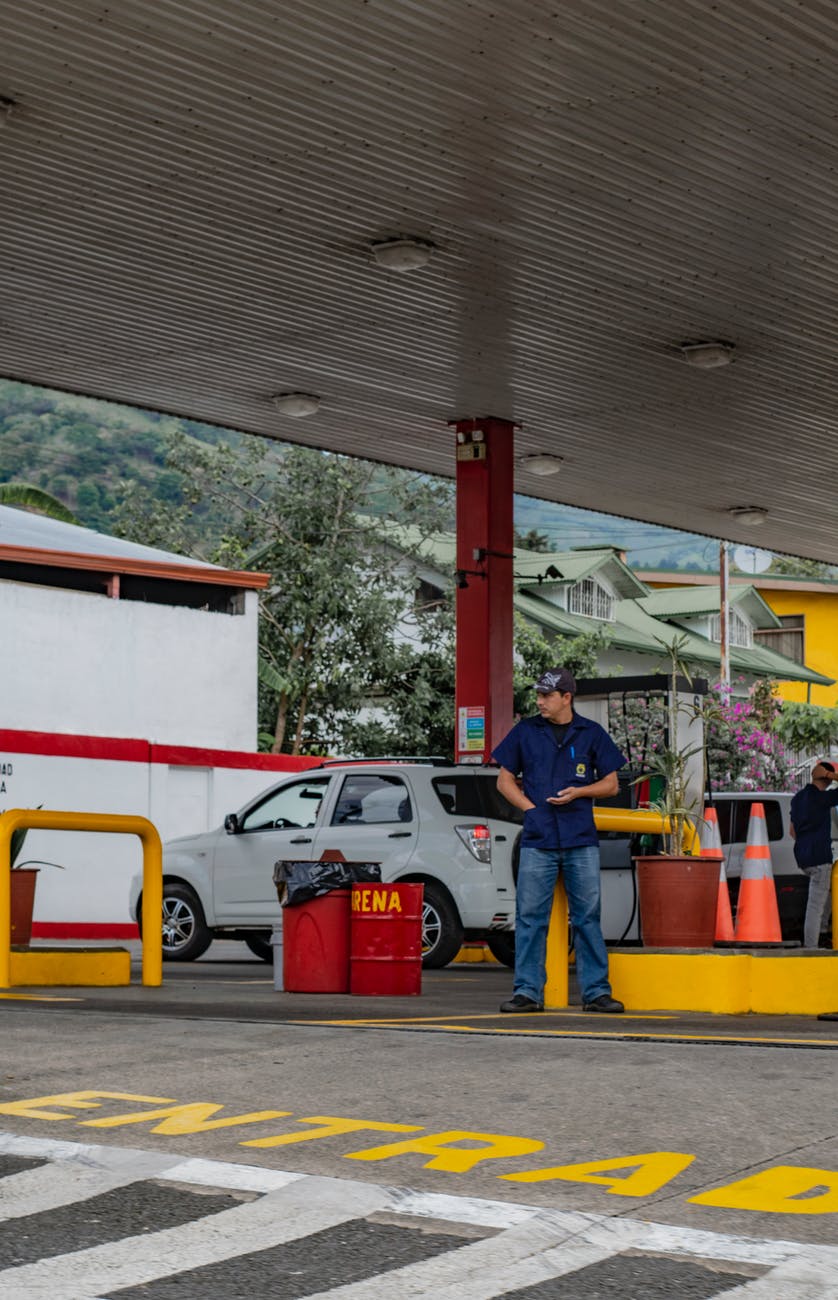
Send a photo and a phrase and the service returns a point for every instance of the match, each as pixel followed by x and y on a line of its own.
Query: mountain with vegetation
pixel 111 464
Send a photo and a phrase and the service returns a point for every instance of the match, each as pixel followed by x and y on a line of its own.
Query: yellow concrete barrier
pixel 49 820
pixel 726 982
pixel 71 967
pixel 637 821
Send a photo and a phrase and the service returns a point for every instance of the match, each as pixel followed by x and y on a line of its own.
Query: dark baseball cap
pixel 556 679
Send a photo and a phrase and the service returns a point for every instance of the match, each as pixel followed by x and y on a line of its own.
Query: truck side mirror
pixel 231 823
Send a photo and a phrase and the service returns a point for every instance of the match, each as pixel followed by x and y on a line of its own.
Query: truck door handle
pixel 400 835
pixel 300 839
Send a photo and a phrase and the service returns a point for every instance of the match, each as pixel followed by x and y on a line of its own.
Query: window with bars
pixel 788 640
pixel 590 598
pixel 741 633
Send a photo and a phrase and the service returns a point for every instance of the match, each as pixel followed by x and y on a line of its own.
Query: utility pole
pixel 724 619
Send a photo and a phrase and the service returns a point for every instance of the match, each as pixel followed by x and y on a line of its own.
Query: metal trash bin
pixel 315 902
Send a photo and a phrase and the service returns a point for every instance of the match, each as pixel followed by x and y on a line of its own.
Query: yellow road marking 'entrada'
pixel 783 1189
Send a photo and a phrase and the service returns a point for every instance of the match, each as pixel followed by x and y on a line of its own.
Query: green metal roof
pixel 698 650
pixel 635 627
pixel 691 602
pixel 574 566
pixel 529 567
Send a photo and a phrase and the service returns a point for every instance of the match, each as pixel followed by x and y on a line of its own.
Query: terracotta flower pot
pixel 23 903
pixel 678 898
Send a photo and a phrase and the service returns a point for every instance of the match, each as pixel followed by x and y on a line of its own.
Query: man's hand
pixel 567 795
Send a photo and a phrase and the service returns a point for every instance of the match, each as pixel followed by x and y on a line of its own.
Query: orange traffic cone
pixel 711 847
pixel 757 918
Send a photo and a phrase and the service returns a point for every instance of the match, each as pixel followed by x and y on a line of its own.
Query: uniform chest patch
pixel 580 769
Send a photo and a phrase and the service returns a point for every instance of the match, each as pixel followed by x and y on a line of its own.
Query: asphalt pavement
pixel 724 1127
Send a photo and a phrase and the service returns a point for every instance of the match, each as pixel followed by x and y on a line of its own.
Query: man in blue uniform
pixel 565 762
pixel 811 831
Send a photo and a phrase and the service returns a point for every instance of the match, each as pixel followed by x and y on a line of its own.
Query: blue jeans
pixel 537 874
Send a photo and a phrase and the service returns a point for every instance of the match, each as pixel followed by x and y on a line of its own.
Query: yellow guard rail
pixel 39 819
pixel 638 821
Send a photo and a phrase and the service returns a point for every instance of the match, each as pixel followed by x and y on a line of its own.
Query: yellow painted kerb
pixel 50 820
pixel 726 983
pixel 71 967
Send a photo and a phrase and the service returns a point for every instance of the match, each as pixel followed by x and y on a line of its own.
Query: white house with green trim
pixel 567 593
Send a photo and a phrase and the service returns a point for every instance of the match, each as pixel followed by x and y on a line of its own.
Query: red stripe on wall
pixel 84 930
pixel 185 755
pixel 115 748
pixel 68 746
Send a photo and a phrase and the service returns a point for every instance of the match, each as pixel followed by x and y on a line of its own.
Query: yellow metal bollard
pixel 45 820
pixel 556 987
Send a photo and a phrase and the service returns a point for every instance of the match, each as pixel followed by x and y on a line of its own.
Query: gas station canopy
pixel 192 193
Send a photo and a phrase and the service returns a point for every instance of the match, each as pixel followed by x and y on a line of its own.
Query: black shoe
pixel 604 1003
pixel 519 1003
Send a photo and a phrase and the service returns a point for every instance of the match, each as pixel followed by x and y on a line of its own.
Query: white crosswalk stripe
pixel 523 1245
pixel 35 1191
pixel 275 1218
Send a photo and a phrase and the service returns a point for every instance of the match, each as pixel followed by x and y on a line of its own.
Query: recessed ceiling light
pixel 540 463
pixel 403 254
pixel 296 404
pixel 750 516
pixel 708 356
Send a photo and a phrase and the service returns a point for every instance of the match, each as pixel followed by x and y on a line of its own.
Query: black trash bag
pixel 299 882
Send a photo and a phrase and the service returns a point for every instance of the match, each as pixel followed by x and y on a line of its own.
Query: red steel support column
pixel 484 592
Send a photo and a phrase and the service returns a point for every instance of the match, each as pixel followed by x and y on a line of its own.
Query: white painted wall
pixel 92 887
pixel 78 662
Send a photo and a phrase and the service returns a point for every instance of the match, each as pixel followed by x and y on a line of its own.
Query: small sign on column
pixel 471 735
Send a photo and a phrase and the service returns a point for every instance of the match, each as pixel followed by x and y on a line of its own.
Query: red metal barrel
pixel 386 940
pixel 315 950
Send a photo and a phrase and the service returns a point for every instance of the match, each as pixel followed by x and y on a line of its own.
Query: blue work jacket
pixel 586 754
pixel 809 813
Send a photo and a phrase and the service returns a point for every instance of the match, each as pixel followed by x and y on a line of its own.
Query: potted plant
pixel 678 891
pixel 24 877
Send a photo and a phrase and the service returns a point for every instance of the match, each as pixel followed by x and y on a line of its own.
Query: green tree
pixel 807 728
pixel 535 653
pixel 330 616
pixel 32 498
pixel 797 567
pixel 532 540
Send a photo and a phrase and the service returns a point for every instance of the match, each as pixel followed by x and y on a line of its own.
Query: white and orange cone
pixel 711 847
pixel 757 917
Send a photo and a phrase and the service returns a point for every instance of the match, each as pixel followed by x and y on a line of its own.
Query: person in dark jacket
pixel 811 829
pixel 565 761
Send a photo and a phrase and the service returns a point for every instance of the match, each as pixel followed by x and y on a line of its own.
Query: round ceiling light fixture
pixel 296 404
pixel 708 356
pixel 750 516
pixel 402 254
pixel 540 463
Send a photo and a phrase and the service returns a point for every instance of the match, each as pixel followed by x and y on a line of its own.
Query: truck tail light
pixel 478 841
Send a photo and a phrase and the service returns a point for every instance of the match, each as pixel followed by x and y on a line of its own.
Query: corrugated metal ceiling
pixel 190 190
